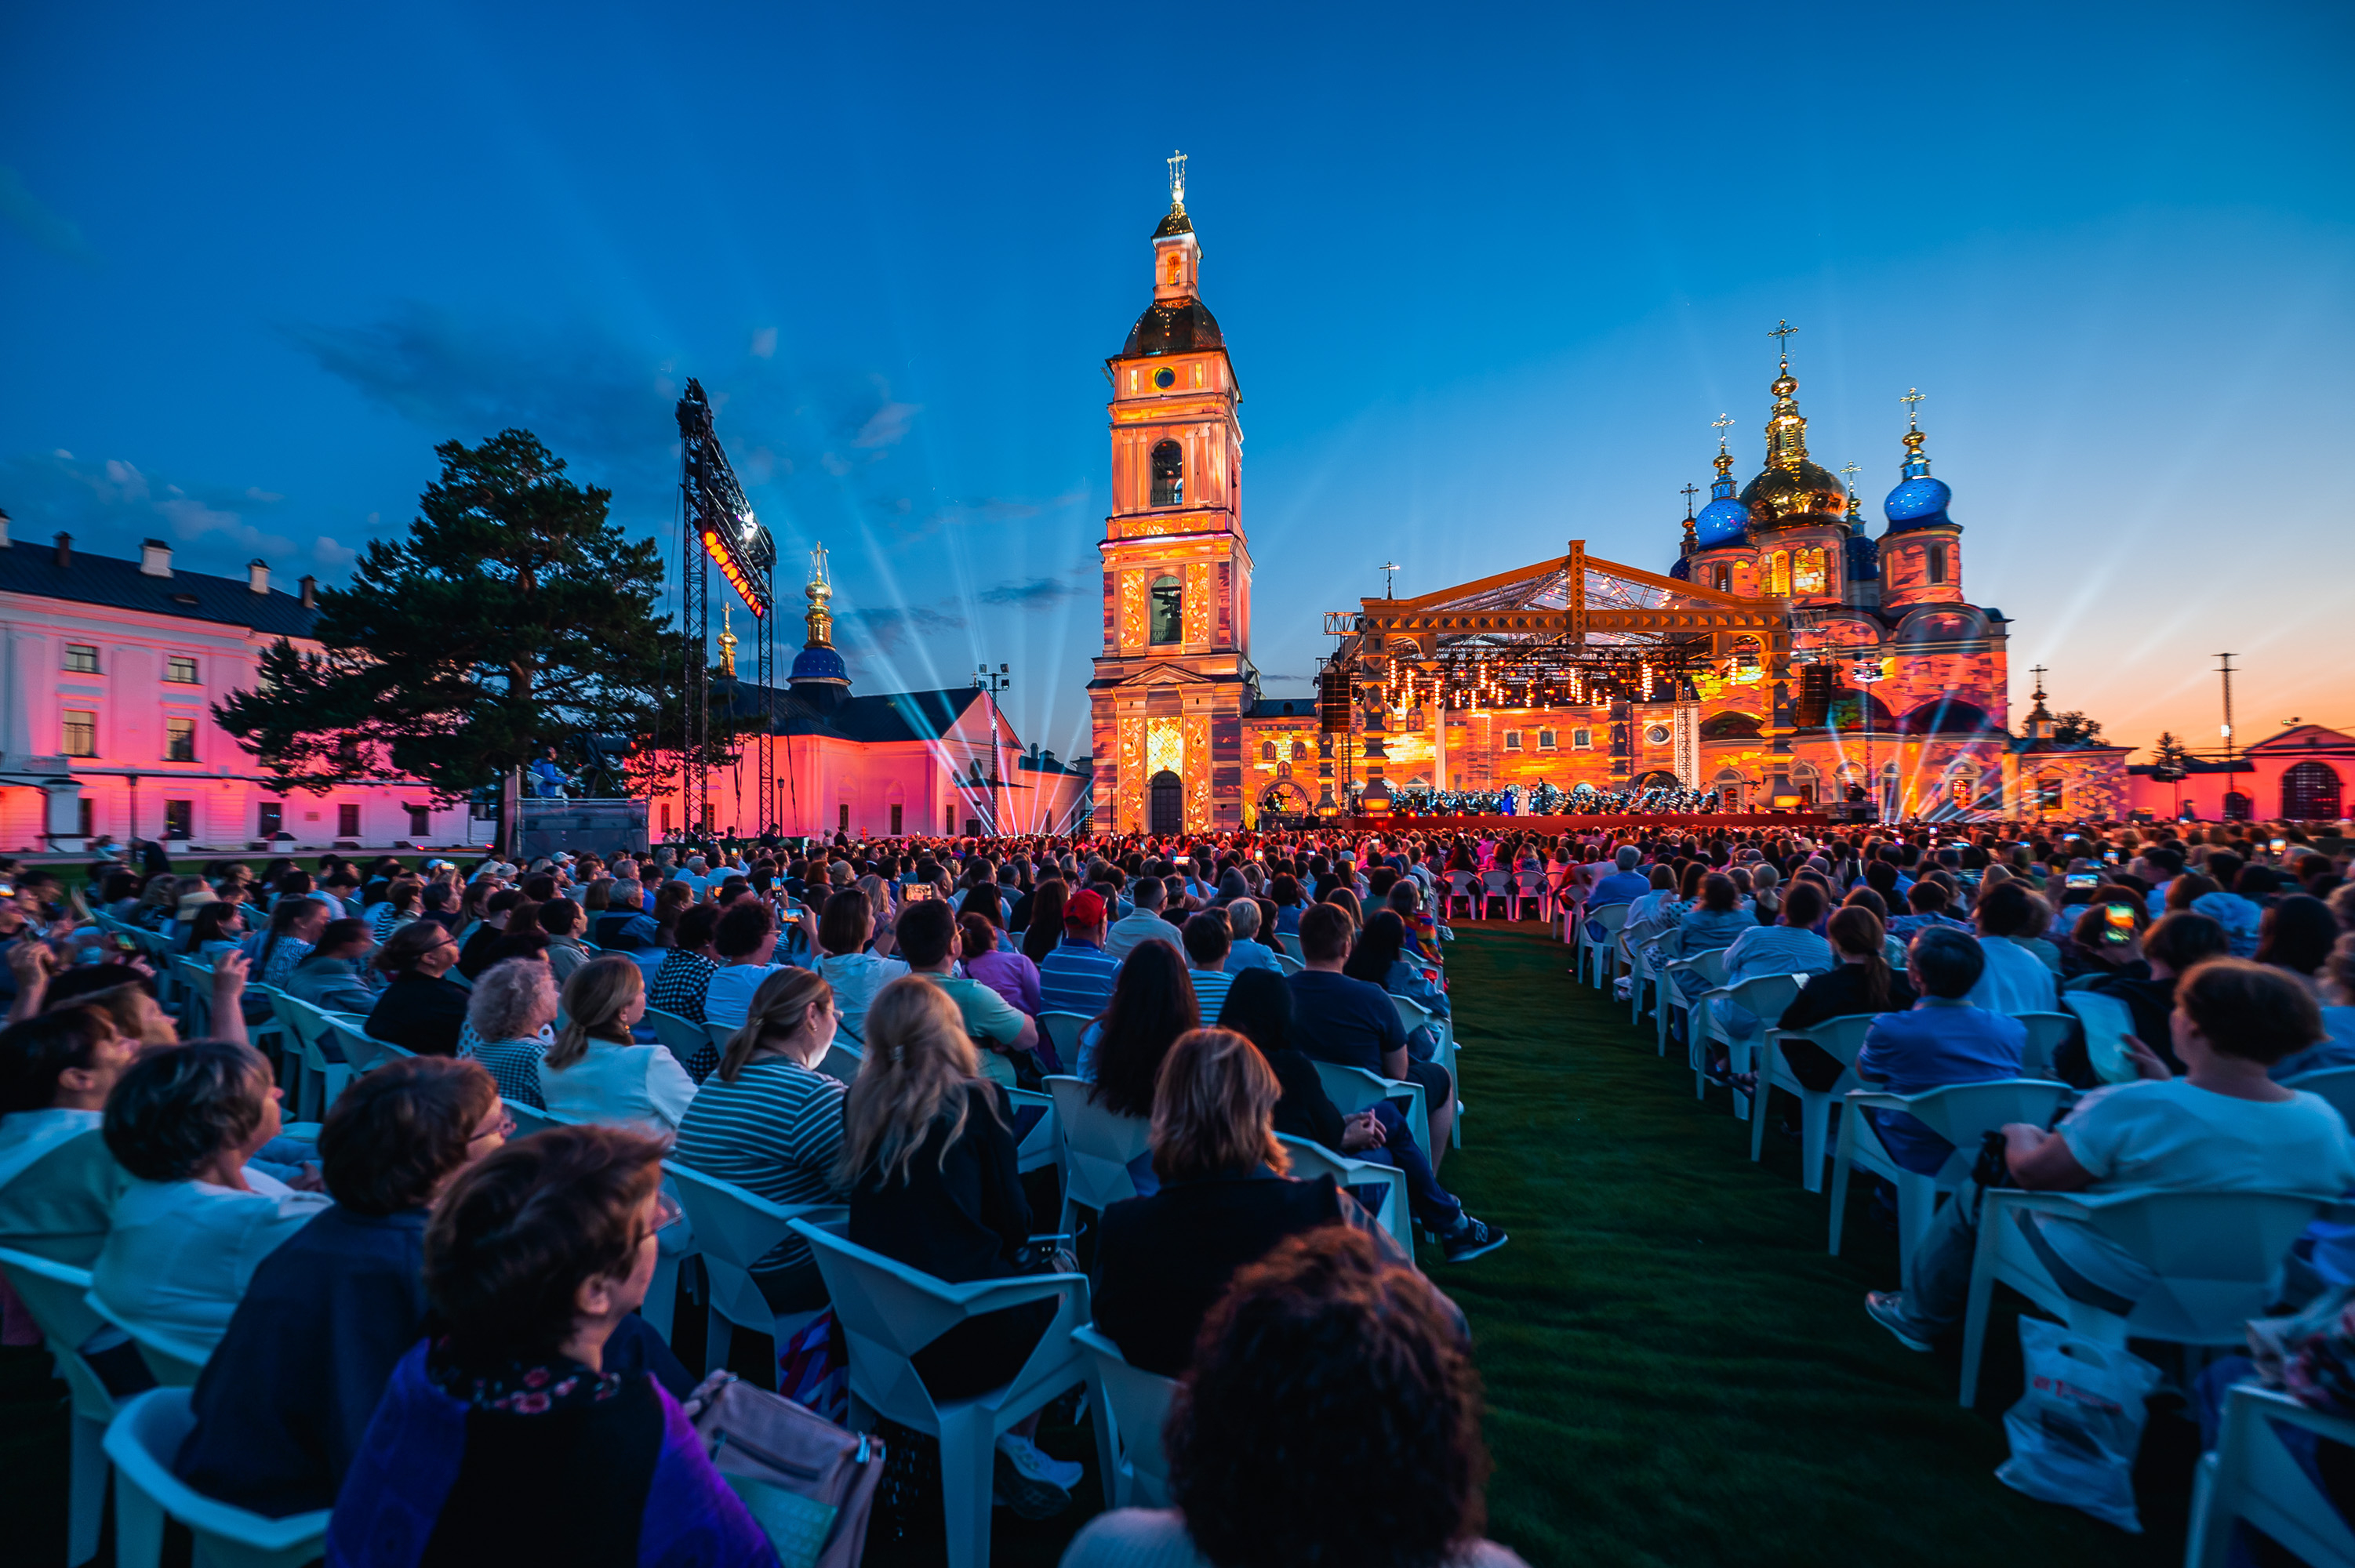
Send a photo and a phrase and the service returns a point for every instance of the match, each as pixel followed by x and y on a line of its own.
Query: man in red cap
pixel 1078 976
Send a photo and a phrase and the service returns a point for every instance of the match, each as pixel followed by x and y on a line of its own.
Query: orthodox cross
pixel 1782 334
pixel 1689 492
pixel 1388 567
pixel 1912 400
pixel 1177 181
pixel 817 564
pixel 1722 423
pixel 2038 670
pixel 1851 471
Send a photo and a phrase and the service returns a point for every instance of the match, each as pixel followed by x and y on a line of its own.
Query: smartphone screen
pixel 2083 879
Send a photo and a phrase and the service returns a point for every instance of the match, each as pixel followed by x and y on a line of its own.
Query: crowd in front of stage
pixel 399 1310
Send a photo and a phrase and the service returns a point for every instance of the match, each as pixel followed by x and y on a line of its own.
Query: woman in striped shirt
pixel 770 1122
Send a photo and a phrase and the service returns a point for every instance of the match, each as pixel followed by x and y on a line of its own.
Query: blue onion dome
pixel 1681 570
pixel 1919 501
pixel 819 663
pixel 1723 522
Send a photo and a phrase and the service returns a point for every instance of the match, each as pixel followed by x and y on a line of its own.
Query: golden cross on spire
pixel 1177 181
pixel 1721 424
pixel 1851 471
pixel 817 564
pixel 1689 492
pixel 1912 400
pixel 1782 334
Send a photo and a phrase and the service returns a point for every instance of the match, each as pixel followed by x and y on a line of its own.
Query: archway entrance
pixel 2310 793
pixel 1167 811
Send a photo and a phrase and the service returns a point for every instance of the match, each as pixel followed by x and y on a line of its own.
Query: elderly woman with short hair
pixel 509 1012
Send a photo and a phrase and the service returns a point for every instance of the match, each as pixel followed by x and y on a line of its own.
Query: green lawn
pixel 1677 1373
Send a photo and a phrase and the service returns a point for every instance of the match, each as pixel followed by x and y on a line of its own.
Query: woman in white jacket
pixel 596 1071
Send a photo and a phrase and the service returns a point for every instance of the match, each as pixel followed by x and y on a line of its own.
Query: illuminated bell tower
pixel 1175 675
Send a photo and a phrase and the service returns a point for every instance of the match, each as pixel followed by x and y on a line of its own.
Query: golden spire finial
pixel 1917 462
pixel 728 640
pixel 1721 424
pixel 1786 428
pixel 820 621
pixel 1177 181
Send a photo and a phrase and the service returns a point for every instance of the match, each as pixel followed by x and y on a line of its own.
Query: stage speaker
pixel 1333 701
pixel 1815 704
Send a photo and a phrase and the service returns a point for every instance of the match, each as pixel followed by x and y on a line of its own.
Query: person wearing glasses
pixel 285 1400
pixel 422 1009
pixel 527 1430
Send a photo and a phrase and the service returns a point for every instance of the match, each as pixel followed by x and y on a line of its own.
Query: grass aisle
pixel 1677 1373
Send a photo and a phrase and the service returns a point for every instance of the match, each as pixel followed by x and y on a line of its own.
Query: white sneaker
pixel 1031 1484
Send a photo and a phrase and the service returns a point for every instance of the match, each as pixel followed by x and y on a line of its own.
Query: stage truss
pixel 1572 631
pixel 717 527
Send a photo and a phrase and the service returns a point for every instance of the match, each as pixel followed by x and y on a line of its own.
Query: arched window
pixel 1722 579
pixel 1778 574
pixel 1267 751
pixel 2310 792
pixel 1807 572
pixel 1168 476
pixel 1299 750
pixel 1934 555
pixel 1169 610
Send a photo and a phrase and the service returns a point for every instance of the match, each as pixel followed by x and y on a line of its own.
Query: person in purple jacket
pixel 510 1438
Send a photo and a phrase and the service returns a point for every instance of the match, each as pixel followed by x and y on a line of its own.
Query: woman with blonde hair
pixel 596 1071
pixel 1163 1261
pixel 768 1121
pixel 928 1153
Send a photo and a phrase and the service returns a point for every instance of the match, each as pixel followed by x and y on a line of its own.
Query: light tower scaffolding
pixel 717 525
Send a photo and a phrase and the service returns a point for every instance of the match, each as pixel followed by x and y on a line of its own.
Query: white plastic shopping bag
pixel 2074 1433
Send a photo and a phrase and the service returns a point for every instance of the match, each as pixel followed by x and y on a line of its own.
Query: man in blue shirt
pixel 1078 976
pixel 1351 1023
pixel 1624 886
pixel 1943 1040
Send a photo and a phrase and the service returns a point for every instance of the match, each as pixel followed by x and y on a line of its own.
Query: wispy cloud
pixel 886 630
pixel 764 343
pixel 1032 593
pixel 887 427
pixel 57 235
pixel 111 505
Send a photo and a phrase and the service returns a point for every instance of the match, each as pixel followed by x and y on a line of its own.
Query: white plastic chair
pixel 52 1293
pixel 320 1081
pixel 1496 887
pixel 1288 946
pixel 1707 968
pixel 1531 887
pixel 842 1061
pixel 530 1119
pixel 176 1363
pixel 2047 1033
pixel 1763 997
pixel 1043 1145
pixel 2336 1085
pixel 2215 1254
pixel 196 996
pixel 1464 887
pixel 1288 964
pixel 142 1442
pixel 734 1229
pixel 890 1311
pixel 1840 1037
pixel 1062 1031
pixel 1353 1089
pixel 1413 1015
pixel 1959 1113
pixel 2251 1476
pixel 1134 1403
pixel 363 1052
pixel 1611 916
pixel 1311 1160
pixel 1097 1147
pixel 682 1037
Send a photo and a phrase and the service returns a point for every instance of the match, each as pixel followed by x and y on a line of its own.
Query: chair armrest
pixel 1878 1099
pixel 2273 1404
pixel 1015 1291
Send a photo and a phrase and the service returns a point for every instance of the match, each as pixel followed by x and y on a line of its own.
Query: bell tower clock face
pixel 1165 378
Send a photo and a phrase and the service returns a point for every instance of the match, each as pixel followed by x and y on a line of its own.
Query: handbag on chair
pixel 808 1482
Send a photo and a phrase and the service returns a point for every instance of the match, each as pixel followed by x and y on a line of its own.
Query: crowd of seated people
pixel 316 1274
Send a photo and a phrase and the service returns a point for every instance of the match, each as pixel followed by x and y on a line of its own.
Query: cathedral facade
pixel 1787 658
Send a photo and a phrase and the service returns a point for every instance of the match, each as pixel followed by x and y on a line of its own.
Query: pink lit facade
pixel 111 670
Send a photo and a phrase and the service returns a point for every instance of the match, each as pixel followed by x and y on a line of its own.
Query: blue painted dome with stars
pixel 1918 501
pixel 819 663
pixel 1724 521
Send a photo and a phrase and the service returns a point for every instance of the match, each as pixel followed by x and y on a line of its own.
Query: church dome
pixel 1724 521
pixel 1173 326
pixel 1919 502
pixel 818 664
pixel 1784 495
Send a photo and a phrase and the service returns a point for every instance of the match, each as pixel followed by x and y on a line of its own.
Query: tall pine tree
pixel 513 616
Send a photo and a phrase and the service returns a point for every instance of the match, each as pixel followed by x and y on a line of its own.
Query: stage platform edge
pixel 1550 826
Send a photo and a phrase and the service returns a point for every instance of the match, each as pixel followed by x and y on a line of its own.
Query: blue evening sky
pixel 1488 274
